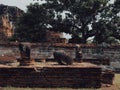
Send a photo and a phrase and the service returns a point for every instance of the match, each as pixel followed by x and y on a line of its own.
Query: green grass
pixel 13 88
pixel 117 81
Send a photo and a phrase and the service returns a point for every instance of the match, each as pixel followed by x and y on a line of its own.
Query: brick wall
pixel 46 51
pixel 37 51
pixel 50 77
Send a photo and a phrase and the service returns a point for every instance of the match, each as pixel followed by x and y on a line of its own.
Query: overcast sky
pixel 19 3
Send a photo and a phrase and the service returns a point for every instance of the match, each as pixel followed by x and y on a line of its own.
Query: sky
pixel 19 3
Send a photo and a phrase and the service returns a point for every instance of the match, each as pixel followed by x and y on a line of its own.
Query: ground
pixel 109 87
pixel 115 86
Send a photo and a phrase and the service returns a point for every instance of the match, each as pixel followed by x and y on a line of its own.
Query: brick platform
pixel 102 61
pixel 80 75
pixel 108 77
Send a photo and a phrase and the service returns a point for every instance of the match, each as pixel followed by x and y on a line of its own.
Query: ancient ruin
pixel 53 62
pixel 36 73
pixel 25 59
pixel 6 26
pixel 55 37
pixel 8 18
pixel 62 58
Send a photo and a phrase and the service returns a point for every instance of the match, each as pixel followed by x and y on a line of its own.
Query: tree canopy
pixel 32 25
pixel 107 27
pixel 80 18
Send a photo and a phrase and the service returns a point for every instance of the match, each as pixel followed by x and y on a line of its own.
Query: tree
pixel 79 14
pixel 108 27
pixel 33 24
pixel 80 18
pixel 115 22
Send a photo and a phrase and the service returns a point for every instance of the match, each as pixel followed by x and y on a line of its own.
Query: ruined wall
pixel 46 51
pixel 8 19
pixel 37 51
pixel 51 77
pixel 3 38
pixel 112 53
pixel 7 26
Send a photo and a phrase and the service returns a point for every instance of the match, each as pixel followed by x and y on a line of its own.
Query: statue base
pixel 26 61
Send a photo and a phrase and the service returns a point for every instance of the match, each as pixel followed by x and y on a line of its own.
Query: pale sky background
pixel 19 3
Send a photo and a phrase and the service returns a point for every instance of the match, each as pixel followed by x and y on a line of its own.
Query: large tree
pixel 79 15
pixel 33 24
pixel 107 27
pixel 80 18
pixel 115 22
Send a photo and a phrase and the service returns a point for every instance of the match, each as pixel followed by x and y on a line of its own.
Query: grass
pixel 116 82
pixel 13 88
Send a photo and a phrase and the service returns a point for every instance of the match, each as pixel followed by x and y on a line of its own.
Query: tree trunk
pixel 84 35
pixel 84 40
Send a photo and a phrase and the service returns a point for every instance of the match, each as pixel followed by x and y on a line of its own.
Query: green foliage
pixel 33 24
pixel 107 27
pixel 80 18
pixel 78 15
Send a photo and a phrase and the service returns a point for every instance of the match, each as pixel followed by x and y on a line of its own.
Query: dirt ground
pixel 116 83
pixel 109 87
